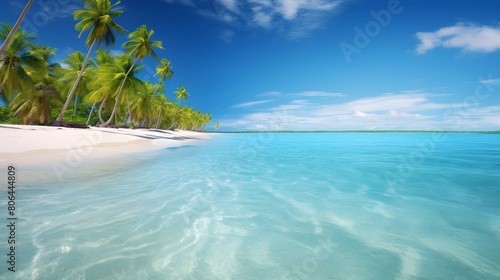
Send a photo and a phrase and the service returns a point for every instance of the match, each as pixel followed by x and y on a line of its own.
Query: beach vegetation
pixel 13 30
pixel 98 17
pixel 98 87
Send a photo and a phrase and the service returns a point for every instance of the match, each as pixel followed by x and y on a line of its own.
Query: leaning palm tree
pixel 17 61
pixel 164 70
pixel 98 18
pixel 120 74
pixel 139 46
pixel 12 33
pixel 70 73
pixel 103 57
pixel 181 94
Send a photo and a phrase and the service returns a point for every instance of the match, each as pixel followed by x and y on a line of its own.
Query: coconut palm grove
pixel 93 86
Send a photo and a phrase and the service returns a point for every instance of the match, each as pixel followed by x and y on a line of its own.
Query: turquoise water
pixel 270 206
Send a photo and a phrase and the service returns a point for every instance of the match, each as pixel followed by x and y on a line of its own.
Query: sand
pixel 39 145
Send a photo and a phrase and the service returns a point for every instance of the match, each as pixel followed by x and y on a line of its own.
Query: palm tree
pixel 139 46
pixel 36 106
pixel 216 126
pixel 98 18
pixel 181 94
pixel 103 57
pixel 45 52
pixel 111 78
pixel 69 75
pixel 162 105
pixel 18 60
pixel 13 31
pixel 164 70
pixel 142 107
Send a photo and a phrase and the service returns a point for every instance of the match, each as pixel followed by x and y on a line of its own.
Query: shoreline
pixel 355 131
pixel 40 145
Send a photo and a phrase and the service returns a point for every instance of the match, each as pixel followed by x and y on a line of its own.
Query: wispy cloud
pixel 468 37
pixel 227 35
pixel 248 104
pixel 319 94
pixel 270 93
pixel 387 102
pixel 293 105
pixel 490 81
pixel 294 18
pixel 411 110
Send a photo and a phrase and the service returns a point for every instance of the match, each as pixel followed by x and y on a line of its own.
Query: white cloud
pixel 359 114
pixel 468 37
pixel 490 81
pixel 231 5
pixel 294 105
pixel 387 102
pixel 290 8
pixel 403 111
pixel 253 103
pixel 261 18
pixel 294 18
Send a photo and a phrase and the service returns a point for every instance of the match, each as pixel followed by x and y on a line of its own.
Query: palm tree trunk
pixel 154 93
pixel 76 104
pixel 73 89
pixel 158 120
pixel 101 119
pixel 15 27
pixel 90 114
pixel 117 99
pixel 129 119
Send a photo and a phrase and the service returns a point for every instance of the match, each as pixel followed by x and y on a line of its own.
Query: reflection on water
pixel 285 206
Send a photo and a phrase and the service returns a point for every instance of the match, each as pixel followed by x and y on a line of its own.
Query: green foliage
pixel 6 116
pixel 97 16
pixel 107 89
pixel 18 61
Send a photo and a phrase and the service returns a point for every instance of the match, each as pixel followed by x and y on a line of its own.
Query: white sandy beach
pixel 34 145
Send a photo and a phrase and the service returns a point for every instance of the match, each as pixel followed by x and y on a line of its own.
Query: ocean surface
pixel 267 206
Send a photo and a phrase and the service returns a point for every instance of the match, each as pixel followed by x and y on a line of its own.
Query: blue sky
pixel 314 64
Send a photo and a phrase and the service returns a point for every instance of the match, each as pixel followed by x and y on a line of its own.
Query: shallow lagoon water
pixel 270 206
